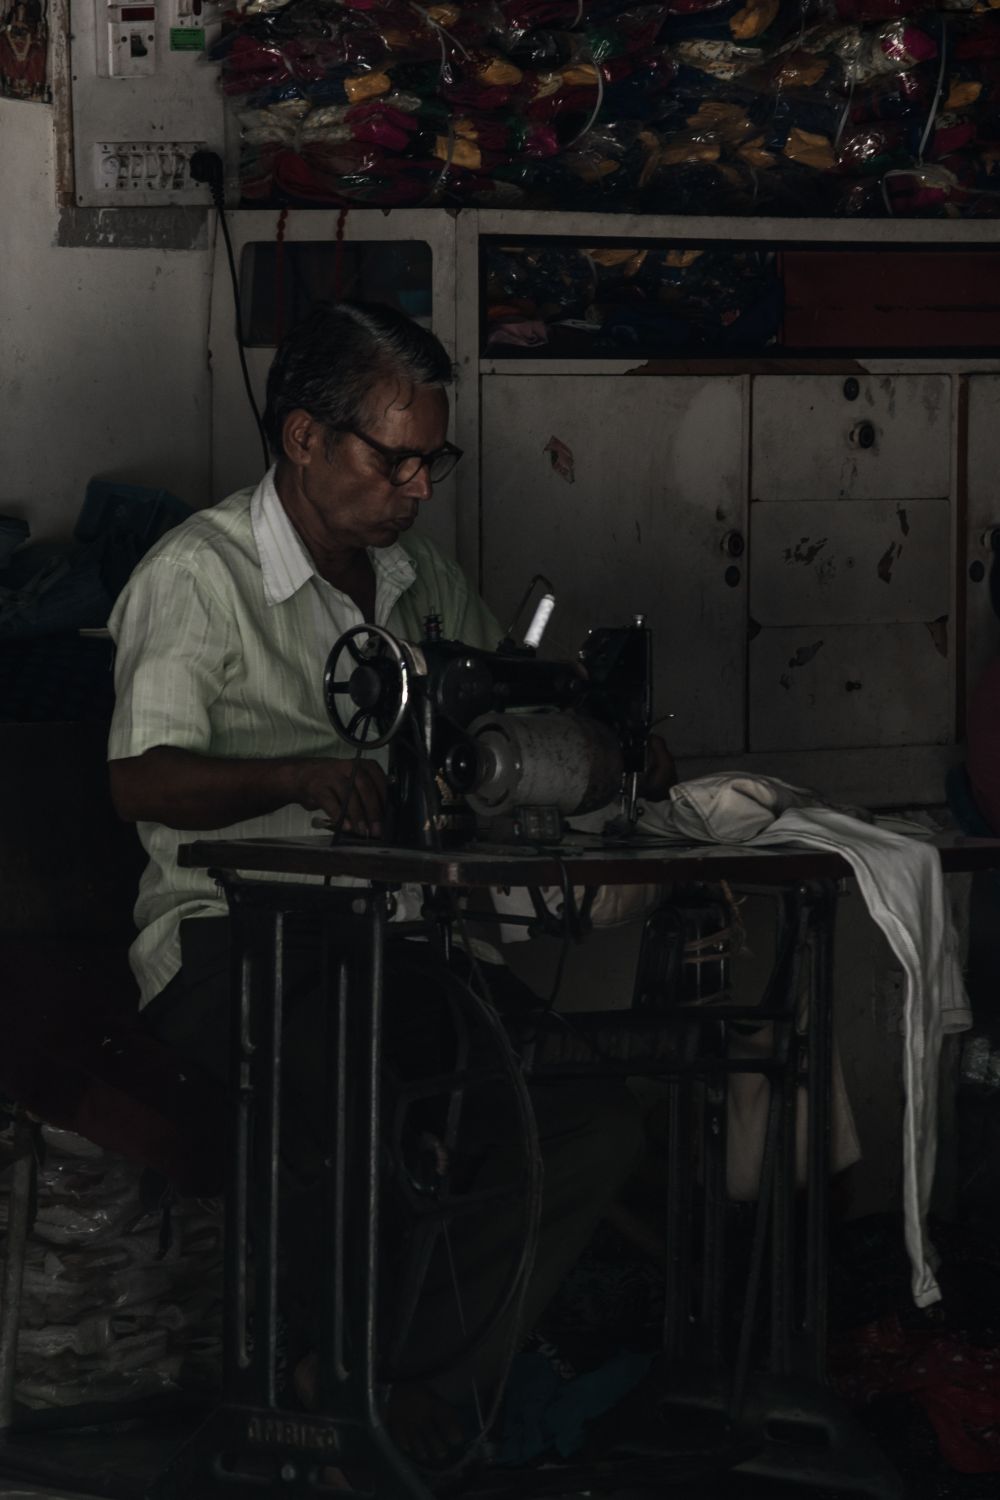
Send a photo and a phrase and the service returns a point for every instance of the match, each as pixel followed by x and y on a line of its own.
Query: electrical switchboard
pixel 145 98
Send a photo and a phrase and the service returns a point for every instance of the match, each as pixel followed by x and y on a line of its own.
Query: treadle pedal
pixel 648 1472
pixel 803 1434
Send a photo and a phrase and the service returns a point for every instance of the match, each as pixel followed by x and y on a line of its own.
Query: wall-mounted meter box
pixel 145 98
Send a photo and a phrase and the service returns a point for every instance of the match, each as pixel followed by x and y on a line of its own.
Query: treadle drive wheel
pixel 431 1180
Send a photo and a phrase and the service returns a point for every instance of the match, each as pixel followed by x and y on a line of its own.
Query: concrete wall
pixel 103 359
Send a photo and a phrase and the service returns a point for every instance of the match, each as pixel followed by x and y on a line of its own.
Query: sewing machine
pixel 462 764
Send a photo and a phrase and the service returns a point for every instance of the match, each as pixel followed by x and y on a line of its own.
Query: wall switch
pixel 135 169
pixel 126 40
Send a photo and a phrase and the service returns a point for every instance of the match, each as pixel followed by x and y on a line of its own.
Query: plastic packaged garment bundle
pixel 541 282
pixel 618 151
pixel 902 96
pixel 722 60
pixel 875 149
pixel 890 48
pixel 321 172
pixel 758 23
pixel 278 124
pixel 309 68
pixel 645 94
pixel 109 1310
pixel 965 184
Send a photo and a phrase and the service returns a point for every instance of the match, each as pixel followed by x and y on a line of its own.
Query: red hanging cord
pixel 279 277
pixel 338 257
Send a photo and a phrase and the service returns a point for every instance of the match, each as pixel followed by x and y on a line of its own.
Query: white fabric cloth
pixel 900 881
pixel 746 1119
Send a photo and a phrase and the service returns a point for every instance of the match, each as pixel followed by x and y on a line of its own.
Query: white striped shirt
pixel 222 636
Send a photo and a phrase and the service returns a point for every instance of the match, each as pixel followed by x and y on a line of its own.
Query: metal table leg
pixel 256 1436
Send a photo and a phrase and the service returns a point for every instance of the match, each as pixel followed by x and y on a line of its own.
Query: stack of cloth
pixel 112 1308
pixel 866 107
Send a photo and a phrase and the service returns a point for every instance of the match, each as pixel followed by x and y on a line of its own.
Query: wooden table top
pixel 583 860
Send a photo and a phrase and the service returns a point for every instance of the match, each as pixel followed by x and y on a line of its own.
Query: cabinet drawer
pixel 863 437
pixel 829 687
pixel 836 562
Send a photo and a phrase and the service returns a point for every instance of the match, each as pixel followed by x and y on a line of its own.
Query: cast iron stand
pixel 255 1441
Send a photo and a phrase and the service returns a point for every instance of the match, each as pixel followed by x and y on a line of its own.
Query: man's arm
pixel 177 644
pixel 186 790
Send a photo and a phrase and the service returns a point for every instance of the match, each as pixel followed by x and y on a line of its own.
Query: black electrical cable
pixel 206 166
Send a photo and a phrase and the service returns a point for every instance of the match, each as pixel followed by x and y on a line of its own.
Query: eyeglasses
pixel 402 467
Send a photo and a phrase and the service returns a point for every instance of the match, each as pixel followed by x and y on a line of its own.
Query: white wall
pixel 103 351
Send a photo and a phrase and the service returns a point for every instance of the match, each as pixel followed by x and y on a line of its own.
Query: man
pixel 222 634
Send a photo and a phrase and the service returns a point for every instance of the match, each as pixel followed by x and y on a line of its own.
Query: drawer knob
pixel 852 389
pixel 864 435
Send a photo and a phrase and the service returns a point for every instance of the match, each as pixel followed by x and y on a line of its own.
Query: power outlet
pixel 147 172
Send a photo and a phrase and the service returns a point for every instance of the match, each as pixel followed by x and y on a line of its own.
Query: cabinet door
pixel 630 495
pixel 851 577
pixel 864 437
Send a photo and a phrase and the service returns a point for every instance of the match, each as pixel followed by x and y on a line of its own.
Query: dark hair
pixel 330 363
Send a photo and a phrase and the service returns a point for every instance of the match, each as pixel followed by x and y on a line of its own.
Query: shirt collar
pixel 285 562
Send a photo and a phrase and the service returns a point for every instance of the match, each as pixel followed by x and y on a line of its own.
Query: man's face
pixel 346 483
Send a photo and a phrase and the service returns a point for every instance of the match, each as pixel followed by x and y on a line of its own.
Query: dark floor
pixel 614 1299
pixel 869 1284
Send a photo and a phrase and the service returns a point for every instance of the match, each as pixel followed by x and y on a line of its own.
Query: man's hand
pixel 660 773
pixel 327 785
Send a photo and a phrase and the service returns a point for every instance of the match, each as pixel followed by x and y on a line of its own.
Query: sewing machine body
pixel 500 744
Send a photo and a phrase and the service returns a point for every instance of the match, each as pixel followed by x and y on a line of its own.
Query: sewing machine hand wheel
pixel 367 681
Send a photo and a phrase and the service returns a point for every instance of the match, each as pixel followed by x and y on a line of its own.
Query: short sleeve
pixel 172 638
